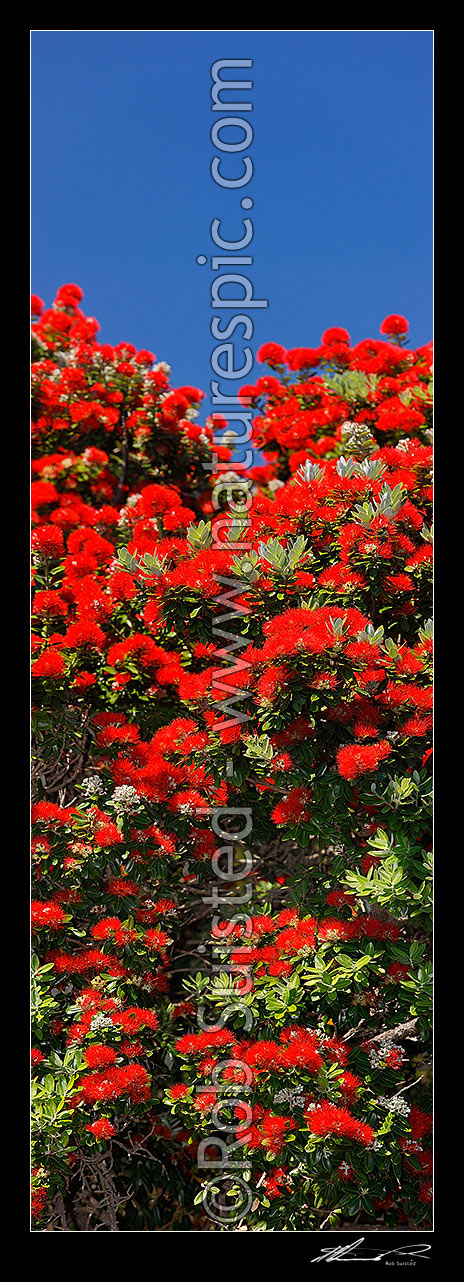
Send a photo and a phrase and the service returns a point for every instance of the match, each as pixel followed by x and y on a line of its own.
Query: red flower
pixel 157 940
pixel 50 664
pixel 46 915
pixel 360 759
pixel 48 541
pixel 335 335
pixel 134 1018
pixel 69 295
pixel 393 325
pixel 178 1091
pixel 275 1180
pixel 302 358
pixel 271 353
pixel 103 1129
pixel 132 1080
pixel 329 1119
pixel 99 1056
pixel 293 808
pixel 84 680
pixel 196 1043
pixel 37 305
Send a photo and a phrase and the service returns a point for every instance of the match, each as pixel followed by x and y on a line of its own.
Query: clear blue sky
pixel 123 197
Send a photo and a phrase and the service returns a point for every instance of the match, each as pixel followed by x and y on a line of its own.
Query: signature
pixel 417 1249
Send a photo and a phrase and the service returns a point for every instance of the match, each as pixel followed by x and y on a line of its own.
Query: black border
pixel 446 1025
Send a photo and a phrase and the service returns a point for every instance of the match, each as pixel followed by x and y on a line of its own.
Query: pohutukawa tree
pixel 269 656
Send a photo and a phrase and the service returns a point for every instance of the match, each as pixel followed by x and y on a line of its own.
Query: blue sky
pixel 123 198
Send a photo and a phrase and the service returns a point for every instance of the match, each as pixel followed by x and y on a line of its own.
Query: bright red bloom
pixel 131 1080
pixel 196 1043
pixel 50 664
pixel 134 1018
pixel 157 940
pixel 299 358
pixel 46 915
pixel 293 808
pixel 276 1182
pixel 37 305
pixel 178 1091
pixel 48 541
pixel 99 1056
pixel 103 1129
pixel 271 353
pixel 335 335
pixel 360 759
pixel 329 1119
pixel 393 325
pixel 110 928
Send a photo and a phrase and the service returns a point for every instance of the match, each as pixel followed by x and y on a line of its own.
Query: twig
pixel 401 1032
pixel 408 1087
